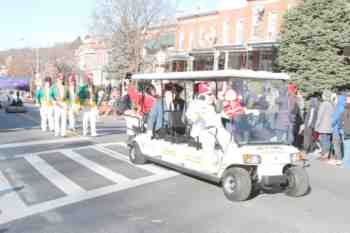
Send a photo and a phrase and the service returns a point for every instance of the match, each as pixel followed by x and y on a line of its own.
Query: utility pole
pixel 37 60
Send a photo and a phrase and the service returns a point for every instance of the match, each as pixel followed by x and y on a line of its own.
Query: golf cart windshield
pixel 265 117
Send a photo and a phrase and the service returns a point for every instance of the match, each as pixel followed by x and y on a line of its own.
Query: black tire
pixel 136 155
pixel 237 184
pixel 298 182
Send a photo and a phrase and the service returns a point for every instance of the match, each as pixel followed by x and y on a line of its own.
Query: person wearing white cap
pixel 60 107
pixel 44 99
pixel 72 100
pixel 88 100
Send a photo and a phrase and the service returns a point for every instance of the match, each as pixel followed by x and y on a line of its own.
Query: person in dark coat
pixel 310 122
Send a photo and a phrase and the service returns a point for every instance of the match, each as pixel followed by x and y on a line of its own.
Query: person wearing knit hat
pixel 72 100
pixel 60 106
pixel 44 99
pixel 88 100
pixel 324 123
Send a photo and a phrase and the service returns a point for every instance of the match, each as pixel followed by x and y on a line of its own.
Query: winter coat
pixel 337 115
pixel 282 119
pixel 145 101
pixel 311 115
pixel 346 121
pixel 324 118
pixel 159 115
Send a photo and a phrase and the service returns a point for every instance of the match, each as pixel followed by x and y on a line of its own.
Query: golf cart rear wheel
pixel 136 155
pixel 298 182
pixel 237 184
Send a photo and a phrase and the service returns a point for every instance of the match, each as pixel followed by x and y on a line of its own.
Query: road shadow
pixel 4 230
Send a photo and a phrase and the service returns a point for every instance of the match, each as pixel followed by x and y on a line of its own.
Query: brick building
pixel 242 38
pixel 93 56
pixel 158 46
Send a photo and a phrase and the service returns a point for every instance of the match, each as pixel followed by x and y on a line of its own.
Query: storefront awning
pixel 163 41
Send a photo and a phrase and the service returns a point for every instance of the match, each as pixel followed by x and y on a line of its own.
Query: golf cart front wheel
pixel 237 184
pixel 298 182
pixel 136 155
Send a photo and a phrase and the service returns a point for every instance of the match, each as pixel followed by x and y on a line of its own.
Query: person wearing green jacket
pixel 60 106
pixel 44 99
pixel 88 101
pixel 72 100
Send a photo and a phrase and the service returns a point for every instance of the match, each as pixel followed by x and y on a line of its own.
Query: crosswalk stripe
pixel 54 176
pixel 71 199
pixel 105 172
pixel 43 142
pixel 10 202
pixel 148 167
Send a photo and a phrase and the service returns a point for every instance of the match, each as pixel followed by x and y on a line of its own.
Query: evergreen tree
pixel 312 43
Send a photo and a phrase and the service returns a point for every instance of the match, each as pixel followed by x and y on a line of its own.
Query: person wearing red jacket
pixel 143 101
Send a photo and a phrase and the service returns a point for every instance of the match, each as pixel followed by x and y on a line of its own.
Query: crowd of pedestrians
pixel 62 99
pixel 323 123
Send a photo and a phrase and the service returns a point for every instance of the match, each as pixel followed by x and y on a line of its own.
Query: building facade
pixel 93 56
pixel 242 38
pixel 159 44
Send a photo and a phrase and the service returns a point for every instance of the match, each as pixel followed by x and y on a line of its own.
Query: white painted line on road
pixel 105 172
pixel 20 156
pixel 116 155
pixel 10 202
pixel 54 176
pixel 67 200
pixel 33 143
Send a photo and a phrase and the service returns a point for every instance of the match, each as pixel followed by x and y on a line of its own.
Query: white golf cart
pixel 250 151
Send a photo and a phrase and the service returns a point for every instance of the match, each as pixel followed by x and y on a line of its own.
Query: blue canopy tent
pixel 19 83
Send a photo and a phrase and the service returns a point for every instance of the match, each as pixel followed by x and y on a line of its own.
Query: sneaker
pixel 332 162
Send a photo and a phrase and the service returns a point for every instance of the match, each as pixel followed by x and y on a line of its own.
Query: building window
pixel 182 40
pixel 258 16
pixel 190 42
pixel 240 32
pixel 225 33
pixel 237 60
pixel 203 62
pixel 272 26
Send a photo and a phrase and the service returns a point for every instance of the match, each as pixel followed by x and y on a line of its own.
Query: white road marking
pixel 10 202
pixel 33 143
pixel 54 176
pixel 78 197
pixel 105 172
pixel 148 167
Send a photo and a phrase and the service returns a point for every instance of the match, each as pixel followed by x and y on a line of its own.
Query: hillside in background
pixel 22 62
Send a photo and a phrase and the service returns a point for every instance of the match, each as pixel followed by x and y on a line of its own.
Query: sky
pixel 40 23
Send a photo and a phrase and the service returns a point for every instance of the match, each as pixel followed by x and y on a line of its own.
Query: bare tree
pixel 125 22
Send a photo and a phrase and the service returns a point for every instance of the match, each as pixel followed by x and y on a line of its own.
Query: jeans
pixel 338 144
pixel 347 152
pixel 325 141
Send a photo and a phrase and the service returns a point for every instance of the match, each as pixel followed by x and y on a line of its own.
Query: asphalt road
pixel 87 185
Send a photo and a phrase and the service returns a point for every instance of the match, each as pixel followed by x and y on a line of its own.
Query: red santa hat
pixel 203 88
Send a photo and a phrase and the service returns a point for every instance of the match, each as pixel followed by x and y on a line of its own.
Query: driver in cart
pixel 207 127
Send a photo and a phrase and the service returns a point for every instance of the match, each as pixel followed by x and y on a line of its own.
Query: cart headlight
pixel 297 157
pixel 251 159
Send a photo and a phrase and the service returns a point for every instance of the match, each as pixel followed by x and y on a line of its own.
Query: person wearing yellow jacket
pixel 44 99
pixel 72 100
pixel 88 101
pixel 60 106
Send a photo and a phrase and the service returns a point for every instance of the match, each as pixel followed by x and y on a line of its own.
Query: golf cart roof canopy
pixel 221 75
